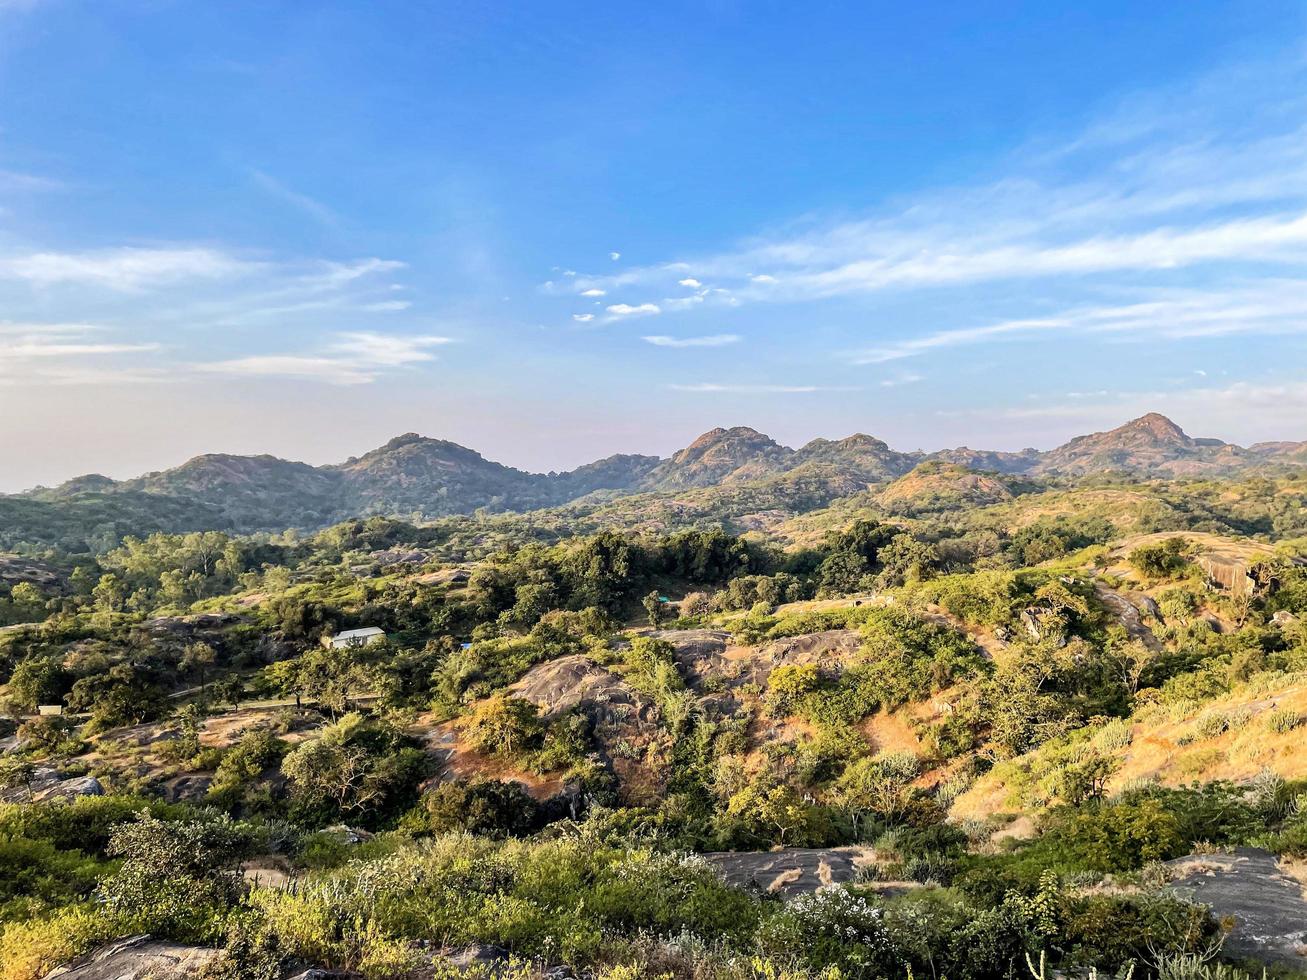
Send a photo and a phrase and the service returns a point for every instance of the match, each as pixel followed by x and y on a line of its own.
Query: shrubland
pixel 916 681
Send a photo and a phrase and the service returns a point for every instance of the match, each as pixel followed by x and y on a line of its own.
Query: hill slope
pixel 420 477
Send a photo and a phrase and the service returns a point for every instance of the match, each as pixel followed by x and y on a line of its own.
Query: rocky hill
pixel 1151 444
pixel 718 457
pixel 419 477
pixel 936 485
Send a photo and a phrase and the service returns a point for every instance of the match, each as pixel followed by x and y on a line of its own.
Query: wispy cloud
pixel 58 353
pixel 713 387
pixel 352 359
pixel 711 340
pixel 1268 306
pixel 315 209
pixel 904 378
pixel 123 268
pixel 14 180
pixel 1201 191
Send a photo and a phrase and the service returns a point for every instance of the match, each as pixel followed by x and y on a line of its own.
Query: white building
pixel 355 638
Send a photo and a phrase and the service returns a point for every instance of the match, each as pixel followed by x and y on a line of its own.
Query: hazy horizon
pixel 560 233
pixel 673 446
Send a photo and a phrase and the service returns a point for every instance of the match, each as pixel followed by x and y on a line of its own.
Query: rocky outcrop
pixel 70 789
pixel 137 958
pixel 1248 886
pixel 576 681
pixel 788 872
pixel 48 784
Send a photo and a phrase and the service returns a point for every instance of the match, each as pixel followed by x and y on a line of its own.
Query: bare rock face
pixel 1248 886
pixel 828 650
pixel 70 789
pixel 49 784
pixel 136 958
pixel 699 653
pixel 790 871
pixel 558 686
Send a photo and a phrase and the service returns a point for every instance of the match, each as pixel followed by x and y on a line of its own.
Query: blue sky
pixel 558 231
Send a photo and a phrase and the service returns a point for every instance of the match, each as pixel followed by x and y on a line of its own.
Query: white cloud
pixel 339 273
pixel 1263 307
pixel 330 370
pixel 387 350
pixel 56 353
pixel 387 306
pixel 595 292
pixel 352 359
pixel 691 283
pixel 625 309
pixel 123 268
pixel 1209 179
pixel 906 378
pixel 710 387
pixel 583 317
pixel 13 180
pixel 712 340
pixel 614 255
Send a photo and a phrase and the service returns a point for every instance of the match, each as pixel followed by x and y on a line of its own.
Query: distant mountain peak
pixel 1158 427
pixel 407 439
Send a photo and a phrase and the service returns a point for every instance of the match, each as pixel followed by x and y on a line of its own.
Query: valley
pixel 827 709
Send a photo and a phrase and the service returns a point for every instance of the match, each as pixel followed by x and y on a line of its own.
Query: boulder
pixel 137 958
pixel 70 789
pixel 576 681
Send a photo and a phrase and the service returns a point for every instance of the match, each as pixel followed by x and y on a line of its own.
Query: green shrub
pixel 1281 721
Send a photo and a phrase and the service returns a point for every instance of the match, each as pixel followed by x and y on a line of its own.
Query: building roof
pixel 360 633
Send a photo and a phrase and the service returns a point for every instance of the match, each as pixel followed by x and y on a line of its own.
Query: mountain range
pixel 419 477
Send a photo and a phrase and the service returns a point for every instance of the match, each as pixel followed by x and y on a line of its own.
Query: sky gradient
pixel 557 231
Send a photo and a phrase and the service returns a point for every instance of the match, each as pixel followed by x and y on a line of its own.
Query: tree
pixel 16 772
pixel 788 685
pixel 35 681
pixel 128 694
pixel 109 594
pixel 327 675
pixel 487 807
pixel 355 767
pixel 1163 560
pixel 696 604
pixel 879 786
pixel 905 559
pixel 774 805
pixel 653 606
pixel 177 877
pixel 230 689
pixel 197 658
pixel 503 726
pixel 28 604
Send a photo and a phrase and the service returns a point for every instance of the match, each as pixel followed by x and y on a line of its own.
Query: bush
pixel 488 807
pixel 832 928
pixel 30 949
pixel 177 879
pixel 85 824
pixel 1281 721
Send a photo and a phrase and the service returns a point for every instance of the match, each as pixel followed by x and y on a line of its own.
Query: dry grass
pixel 1163 749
